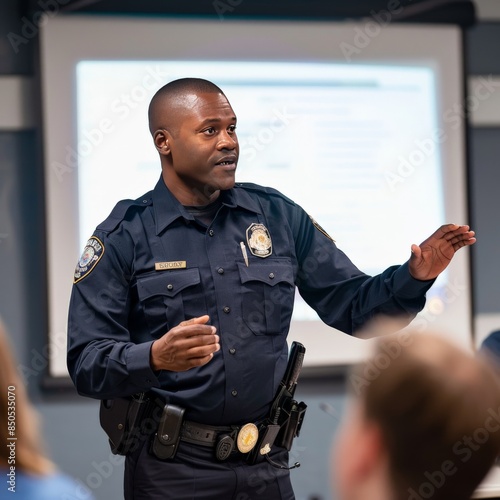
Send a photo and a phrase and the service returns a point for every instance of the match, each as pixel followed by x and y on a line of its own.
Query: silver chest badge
pixel 259 240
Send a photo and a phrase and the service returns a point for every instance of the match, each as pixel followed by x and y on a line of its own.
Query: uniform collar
pixel 167 208
pixel 238 197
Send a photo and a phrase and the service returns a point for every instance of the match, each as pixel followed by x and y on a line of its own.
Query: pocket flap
pixel 167 283
pixel 267 271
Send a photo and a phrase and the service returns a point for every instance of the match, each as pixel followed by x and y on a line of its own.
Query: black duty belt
pixel 205 435
pixel 225 439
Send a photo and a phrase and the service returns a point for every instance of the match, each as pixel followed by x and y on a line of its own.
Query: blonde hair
pixel 19 417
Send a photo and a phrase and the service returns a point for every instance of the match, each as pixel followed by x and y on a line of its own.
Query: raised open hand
pixel 433 255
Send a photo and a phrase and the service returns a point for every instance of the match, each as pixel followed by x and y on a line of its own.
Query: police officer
pixel 187 293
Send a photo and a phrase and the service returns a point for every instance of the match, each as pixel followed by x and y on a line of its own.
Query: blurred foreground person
pixel 424 423
pixel 27 473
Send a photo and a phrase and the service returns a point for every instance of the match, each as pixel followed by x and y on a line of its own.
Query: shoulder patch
pixel 92 253
pixel 320 229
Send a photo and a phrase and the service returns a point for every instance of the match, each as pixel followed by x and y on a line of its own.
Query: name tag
pixel 164 266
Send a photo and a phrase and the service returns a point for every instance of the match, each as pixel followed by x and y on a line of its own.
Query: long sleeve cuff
pixel 405 285
pixel 139 367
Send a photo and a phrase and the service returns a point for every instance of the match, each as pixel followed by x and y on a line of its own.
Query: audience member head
pixel 424 422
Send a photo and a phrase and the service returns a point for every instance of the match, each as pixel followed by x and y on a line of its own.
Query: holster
pixel 121 419
pixel 281 433
pixel 292 425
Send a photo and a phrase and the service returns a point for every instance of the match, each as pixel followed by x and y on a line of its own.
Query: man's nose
pixel 227 141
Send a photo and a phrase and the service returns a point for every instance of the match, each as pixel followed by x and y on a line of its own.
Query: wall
pixel 71 427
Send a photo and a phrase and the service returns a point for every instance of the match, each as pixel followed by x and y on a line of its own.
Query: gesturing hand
pixel 434 254
pixel 191 343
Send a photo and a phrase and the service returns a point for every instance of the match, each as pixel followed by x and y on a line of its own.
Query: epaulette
pixel 120 210
pixel 250 186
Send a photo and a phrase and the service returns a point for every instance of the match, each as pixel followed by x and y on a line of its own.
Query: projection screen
pixel 361 127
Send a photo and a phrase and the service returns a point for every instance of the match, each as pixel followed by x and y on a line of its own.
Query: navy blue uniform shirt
pixel 120 303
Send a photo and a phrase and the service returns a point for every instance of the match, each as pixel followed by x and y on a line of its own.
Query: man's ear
pixel 161 140
pixel 370 449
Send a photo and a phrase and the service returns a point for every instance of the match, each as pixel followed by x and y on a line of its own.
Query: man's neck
pixel 374 488
pixel 191 197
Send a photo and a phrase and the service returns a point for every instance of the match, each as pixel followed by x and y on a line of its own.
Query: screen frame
pixel 256 39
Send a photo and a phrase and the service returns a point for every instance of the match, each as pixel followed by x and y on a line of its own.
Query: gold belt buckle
pixel 247 438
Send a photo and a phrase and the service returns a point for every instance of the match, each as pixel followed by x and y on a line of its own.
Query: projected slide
pixel 355 146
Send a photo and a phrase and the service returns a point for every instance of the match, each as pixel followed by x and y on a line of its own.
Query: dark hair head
pixel 438 410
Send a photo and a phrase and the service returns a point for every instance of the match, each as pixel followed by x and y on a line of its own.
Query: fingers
pixel 462 240
pixel 194 338
pixel 195 332
pixel 451 231
pixel 463 243
pixel 459 236
pixel 201 320
pixel 191 343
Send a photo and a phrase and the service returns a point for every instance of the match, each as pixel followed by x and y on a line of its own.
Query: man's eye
pixel 232 128
pixel 209 131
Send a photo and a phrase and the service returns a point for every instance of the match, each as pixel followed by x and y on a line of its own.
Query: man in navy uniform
pixel 187 294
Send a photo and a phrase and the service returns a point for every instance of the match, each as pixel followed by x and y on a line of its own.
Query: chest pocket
pixel 169 298
pixel 268 292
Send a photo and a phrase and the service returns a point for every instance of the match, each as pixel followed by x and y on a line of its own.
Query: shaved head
pixel 169 101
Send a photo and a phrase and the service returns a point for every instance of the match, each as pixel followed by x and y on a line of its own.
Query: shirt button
pixel 271 275
pixel 227 310
pixel 232 350
pixel 170 287
pixel 234 392
pixel 211 232
pixel 220 270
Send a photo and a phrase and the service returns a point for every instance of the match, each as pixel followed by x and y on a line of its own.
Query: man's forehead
pixel 193 108
pixel 194 103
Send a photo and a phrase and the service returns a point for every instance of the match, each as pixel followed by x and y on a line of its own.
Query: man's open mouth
pixel 227 161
